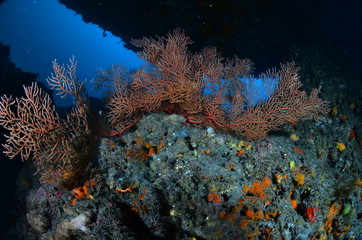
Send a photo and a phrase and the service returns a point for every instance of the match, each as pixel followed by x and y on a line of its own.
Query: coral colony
pixel 174 82
pixel 144 167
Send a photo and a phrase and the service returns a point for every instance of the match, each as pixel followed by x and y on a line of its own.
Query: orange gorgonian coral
pixel 206 89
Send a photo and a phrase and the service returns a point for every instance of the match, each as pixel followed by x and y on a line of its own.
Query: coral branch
pixel 208 91
pixel 59 147
pixel 29 120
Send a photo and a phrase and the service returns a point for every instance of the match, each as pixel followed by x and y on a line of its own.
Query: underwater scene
pixel 181 120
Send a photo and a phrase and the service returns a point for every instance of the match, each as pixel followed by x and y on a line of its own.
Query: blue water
pixel 41 31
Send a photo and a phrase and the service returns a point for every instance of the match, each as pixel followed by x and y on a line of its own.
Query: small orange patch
pixel 142 195
pixel 258 187
pixel 73 201
pixel 292 124
pixel 240 152
pixel 243 223
pixel 343 117
pixel 294 203
pixel 297 150
pixel 254 215
pixel 279 178
pixel 147 145
pixel 92 183
pixel 223 215
pixel 214 197
pixel 269 215
pixel 300 179
pixel 82 192
pixel 129 189
pixel 352 135
pixel 151 151
pixel 207 151
pixel 333 212
pixel 160 146
pixel 138 141
pixel 358 183
pixel 111 144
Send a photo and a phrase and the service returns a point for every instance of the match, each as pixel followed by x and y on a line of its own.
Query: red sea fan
pixel 175 80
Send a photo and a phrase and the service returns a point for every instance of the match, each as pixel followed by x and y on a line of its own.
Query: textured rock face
pixel 40 223
pixel 78 223
pixel 63 229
